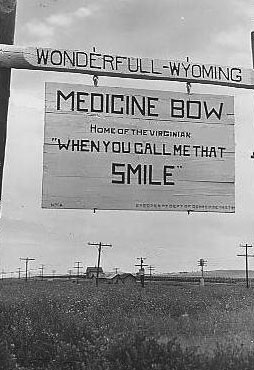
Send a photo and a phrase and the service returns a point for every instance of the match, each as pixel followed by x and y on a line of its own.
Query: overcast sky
pixel 215 31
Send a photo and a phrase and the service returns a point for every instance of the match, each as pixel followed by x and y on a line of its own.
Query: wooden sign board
pixel 116 148
pixel 101 64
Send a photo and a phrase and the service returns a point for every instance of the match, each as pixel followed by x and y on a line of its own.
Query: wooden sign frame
pixel 102 64
pixel 116 148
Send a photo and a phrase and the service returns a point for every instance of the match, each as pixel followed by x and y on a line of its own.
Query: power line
pixel 246 255
pixel 78 268
pixel 150 268
pixel 27 259
pixel 70 273
pixel 19 271
pixel 42 270
pixel 202 263
pixel 141 270
pixel 99 245
pixel 3 273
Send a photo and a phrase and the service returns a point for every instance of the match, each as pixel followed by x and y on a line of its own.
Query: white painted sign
pixel 115 148
pixel 106 64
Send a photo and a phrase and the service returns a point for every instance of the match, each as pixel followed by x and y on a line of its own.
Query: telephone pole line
pixel 150 268
pixel 78 268
pixel 42 270
pixel 19 271
pixel 246 255
pixel 7 29
pixel 99 245
pixel 202 263
pixel 70 273
pixel 27 259
pixel 141 270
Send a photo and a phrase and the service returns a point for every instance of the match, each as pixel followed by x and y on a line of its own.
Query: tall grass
pixel 65 326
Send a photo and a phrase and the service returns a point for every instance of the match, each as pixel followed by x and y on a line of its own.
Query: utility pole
pixel 42 270
pixel 116 270
pixel 27 259
pixel 141 270
pixel 246 255
pixel 99 245
pixel 7 29
pixel 70 273
pixel 19 270
pixel 151 268
pixel 202 263
pixel 78 268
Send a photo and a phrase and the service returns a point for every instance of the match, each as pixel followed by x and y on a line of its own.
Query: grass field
pixel 62 326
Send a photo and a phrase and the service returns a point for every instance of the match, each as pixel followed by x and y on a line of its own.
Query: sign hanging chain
pixel 95 77
pixel 188 84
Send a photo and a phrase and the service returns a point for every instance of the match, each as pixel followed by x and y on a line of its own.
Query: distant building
pixel 92 272
pixel 125 278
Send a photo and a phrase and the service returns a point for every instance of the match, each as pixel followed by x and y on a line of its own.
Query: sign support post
pixel 7 28
pixel 252 47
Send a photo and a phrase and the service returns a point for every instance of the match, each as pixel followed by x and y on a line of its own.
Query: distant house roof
pixel 109 275
pixel 93 269
pixel 122 277
pixel 125 275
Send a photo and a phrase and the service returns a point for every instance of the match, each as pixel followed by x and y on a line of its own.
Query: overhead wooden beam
pixel 95 63
pixel 7 28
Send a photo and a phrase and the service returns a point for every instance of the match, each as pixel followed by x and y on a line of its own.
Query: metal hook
pixel 188 84
pixel 95 77
pixel 95 80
